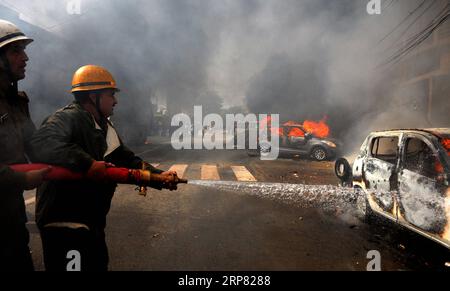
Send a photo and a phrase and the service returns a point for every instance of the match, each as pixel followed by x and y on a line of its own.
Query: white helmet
pixel 10 33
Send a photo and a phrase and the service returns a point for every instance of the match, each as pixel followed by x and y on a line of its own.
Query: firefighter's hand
pixel 169 180
pixel 35 178
pixel 97 171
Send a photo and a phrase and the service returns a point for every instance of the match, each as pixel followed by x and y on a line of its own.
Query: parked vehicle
pixel 302 144
pixel 405 176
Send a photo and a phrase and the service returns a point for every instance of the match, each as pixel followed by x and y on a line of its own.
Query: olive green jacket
pixel 16 129
pixel 69 138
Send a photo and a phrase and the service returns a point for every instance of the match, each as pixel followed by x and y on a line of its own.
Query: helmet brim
pixel 93 88
pixel 24 39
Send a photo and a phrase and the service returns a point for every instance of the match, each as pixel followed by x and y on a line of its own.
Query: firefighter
pixel 16 129
pixel 71 216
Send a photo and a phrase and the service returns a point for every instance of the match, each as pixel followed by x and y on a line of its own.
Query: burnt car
pixel 405 178
pixel 296 141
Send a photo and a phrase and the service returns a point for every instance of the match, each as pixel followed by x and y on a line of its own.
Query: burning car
pixel 405 175
pixel 310 139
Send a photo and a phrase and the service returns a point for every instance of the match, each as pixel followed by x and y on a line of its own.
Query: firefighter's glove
pixel 35 178
pixel 169 180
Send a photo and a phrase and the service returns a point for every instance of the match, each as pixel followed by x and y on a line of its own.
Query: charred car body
pixel 405 176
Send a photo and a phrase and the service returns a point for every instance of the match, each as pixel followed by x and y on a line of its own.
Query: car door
pixel 380 172
pixel 422 197
pixel 297 141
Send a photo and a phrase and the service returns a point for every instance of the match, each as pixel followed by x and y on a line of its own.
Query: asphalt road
pixel 204 229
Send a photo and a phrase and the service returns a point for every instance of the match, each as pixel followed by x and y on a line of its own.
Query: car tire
pixel 264 150
pixel 343 171
pixel 319 154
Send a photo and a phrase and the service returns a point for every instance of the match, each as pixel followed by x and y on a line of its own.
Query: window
pixel 421 159
pixel 385 148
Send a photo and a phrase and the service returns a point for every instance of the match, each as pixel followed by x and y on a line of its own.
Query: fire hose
pixel 141 178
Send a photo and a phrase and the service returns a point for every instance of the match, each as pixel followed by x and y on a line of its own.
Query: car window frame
pixel 385 135
pixel 424 139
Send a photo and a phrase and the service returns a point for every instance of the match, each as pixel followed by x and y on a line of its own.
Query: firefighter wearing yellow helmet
pixel 72 215
pixel 16 129
pixel 91 78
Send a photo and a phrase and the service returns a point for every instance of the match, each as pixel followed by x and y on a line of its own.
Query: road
pixel 205 229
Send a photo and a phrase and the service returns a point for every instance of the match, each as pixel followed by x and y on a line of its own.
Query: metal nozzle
pixel 182 181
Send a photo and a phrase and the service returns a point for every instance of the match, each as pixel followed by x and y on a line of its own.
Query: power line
pixel 420 16
pixel 389 4
pixel 420 40
pixel 436 18
pixel 402 22
pixel 420 37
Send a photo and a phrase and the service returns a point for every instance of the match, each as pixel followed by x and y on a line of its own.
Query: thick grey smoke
pixel 303 59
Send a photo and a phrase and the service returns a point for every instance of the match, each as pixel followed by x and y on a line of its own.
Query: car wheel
pixel 343 171
pixel 319 154
pixel 265 150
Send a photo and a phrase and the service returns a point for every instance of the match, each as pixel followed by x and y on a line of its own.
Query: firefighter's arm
pixel 23 181
pixel 124 157
pixel 51 144
pixel 11 179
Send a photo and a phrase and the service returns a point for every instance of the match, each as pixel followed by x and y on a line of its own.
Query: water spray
pixel 323 196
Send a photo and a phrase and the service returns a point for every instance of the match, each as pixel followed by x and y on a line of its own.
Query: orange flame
pixel 267 123
pixel 319 129
pixel 296 132
pixel 446 144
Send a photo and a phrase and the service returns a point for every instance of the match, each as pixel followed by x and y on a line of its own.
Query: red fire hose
pixel 118 175
pixel 142 178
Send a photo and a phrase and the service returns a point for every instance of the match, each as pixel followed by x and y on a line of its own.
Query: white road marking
pixel 242 174
pixel 180 169
pixel 210 172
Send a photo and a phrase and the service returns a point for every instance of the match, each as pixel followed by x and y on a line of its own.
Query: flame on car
pixel 319 129
pixel 446 143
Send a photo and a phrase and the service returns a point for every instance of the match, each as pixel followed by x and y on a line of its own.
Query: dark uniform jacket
pixel 16 129
pixel 69 139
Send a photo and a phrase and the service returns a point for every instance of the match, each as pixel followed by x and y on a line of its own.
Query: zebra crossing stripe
pixel 180 169
pixel 210 172
pixel 242 174
pixel 155 165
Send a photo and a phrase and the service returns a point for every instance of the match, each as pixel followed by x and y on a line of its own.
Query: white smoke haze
pixel 302 59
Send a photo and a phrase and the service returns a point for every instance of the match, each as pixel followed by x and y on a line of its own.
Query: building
pixel 421 78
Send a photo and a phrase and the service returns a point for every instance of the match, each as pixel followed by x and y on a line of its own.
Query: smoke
pixel 303 59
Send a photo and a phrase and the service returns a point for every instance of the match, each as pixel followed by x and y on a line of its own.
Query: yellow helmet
pixel 91 77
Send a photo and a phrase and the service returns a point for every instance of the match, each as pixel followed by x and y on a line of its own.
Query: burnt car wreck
pixel 405 177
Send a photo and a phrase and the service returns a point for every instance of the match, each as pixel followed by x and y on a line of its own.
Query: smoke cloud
pixel 302 59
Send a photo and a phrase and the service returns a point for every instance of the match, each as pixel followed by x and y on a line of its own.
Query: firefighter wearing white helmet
pixel 12 50
pixel 16 129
